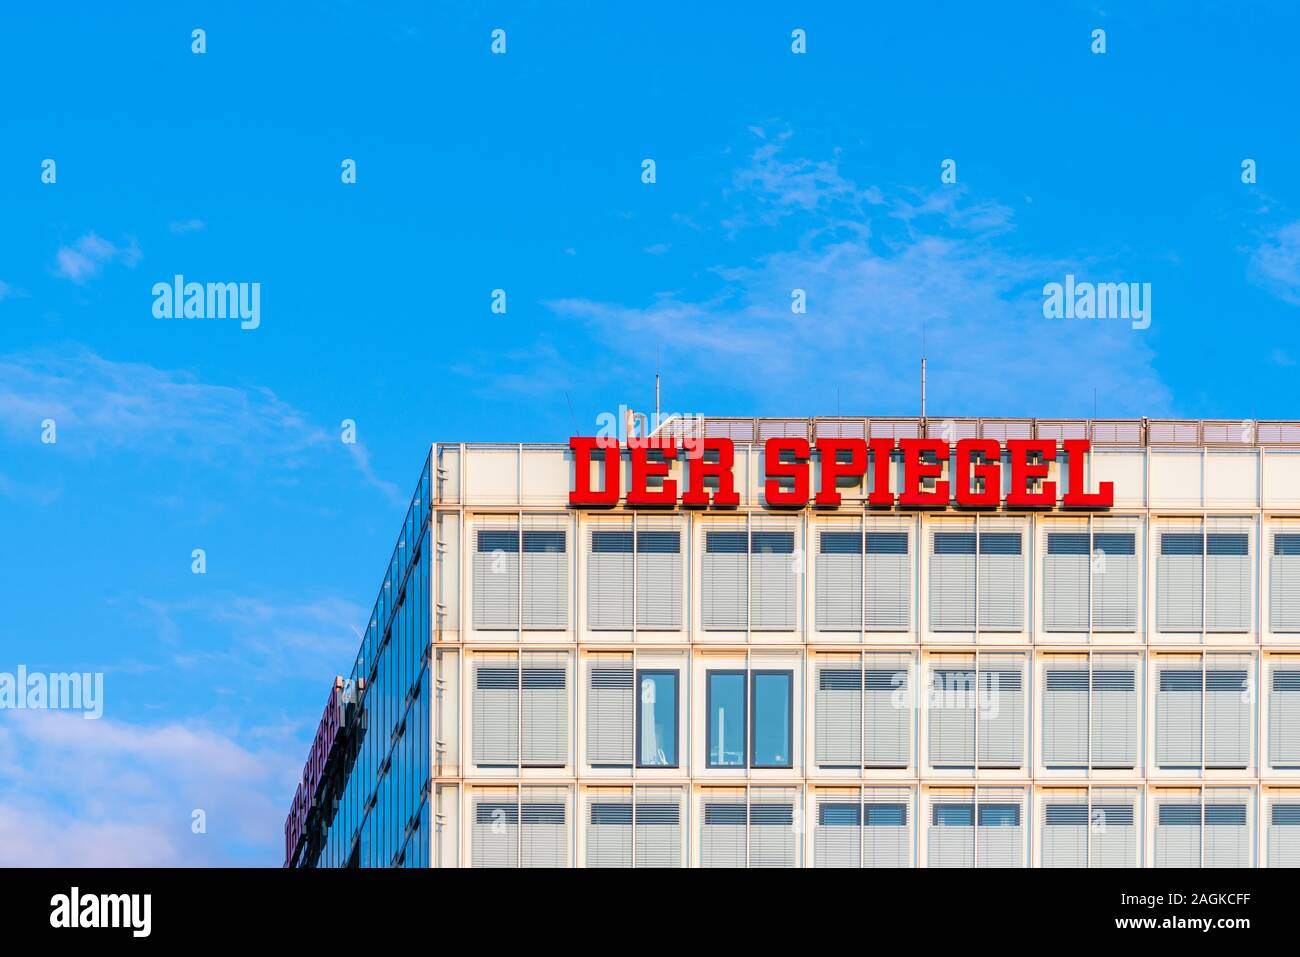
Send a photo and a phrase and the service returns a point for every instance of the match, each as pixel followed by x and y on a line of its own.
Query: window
pixel 1284 831
pixel 1065 581
pixel 841 578
pixel 952 581
pixel 755 830
pixel 838 712
pixel 610 720
pixel 495 834
pixel 1210 829
pixel 1090 711
pixel 772 718
pixel 609 828
pixel 850 697
pixel 1090 581
pixel 724 581
pixel 525 828
pixel 658 827
pixel 839 833
pixel 496 713
pixel 543 831
pixel 729 600
pixel 656 719
pixel 510 725
pixel 626 716
pixel 1089 830
pixel 659 578
pixel 610 578
pixel 1227 581
pixel 505 557
pixel 496 579
pixel 1284 584
pixel 1203 707
pixel 773 593
pixel 631 567
pixel 964 565
pixel 769 743
pixel 1284 716
pixel 546 579
pixel 871 830
pixel 1200 570
pixel 1001 582
pixel 976 828
pixel 1001 834
pixel 976 714
pixel 641 828
pixel 951 837
pixel 889 580
pixel 725 703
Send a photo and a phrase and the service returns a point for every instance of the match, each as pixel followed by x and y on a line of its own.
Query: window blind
pixel 496 579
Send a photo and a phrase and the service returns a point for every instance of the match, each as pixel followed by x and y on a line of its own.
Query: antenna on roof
pixel 571 415
pixel 923 372
pixel 658 418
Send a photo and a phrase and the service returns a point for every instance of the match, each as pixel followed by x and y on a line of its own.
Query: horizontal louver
pixel 659 579
pixel 545 579
pixel 1114 581
pixel 1001 582
pixel 1284 835
pixel 839 581
pixel 1284 719
pixel 610 577
pixel 724 581
pixel 1065 581
pixel 1227 582
pixel 888 581
pixel 952 581
pixel 1178 718
pixel 496 715
pixel 1179 569
pixel 1284 583
pixel 610 719
pixel 773 592
pixel 496 579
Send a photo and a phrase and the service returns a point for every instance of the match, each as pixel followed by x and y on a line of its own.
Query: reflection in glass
pixel 772 710
pixel 726 703
pixel 657 719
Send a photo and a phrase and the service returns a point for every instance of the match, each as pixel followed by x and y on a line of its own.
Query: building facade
pixel 863 684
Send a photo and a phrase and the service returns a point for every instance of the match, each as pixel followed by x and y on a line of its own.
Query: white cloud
pixel 118 794
pixel 86 257
pixel 98 402
pixel 879 270
pixel 1276 263
pixel 268 639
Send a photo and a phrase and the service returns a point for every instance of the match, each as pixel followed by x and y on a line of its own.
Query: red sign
pixel 327 733
pixel 975 483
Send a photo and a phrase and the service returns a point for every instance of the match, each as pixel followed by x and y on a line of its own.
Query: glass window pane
pixel 657 719
pixel 726 703
pixel 772 710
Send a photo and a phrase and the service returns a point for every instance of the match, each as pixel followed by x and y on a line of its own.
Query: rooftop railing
pixel 1125 433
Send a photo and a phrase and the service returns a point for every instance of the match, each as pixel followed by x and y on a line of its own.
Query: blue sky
pixel 522 172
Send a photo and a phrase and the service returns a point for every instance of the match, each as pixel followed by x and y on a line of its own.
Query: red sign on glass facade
pixel 327 734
